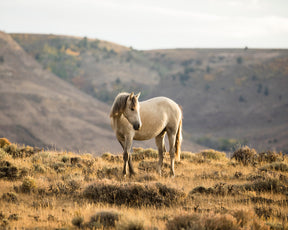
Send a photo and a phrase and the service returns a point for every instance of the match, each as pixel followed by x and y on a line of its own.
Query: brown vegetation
pixel 64 190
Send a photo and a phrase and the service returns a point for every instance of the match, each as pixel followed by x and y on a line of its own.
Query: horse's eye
pixel 132 109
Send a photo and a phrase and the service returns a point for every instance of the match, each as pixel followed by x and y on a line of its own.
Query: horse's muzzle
pixel 136 126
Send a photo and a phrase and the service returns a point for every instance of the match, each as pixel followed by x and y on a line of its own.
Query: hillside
pixel 38 108
pixel 52 190
pixel 41 109
pixel 229 96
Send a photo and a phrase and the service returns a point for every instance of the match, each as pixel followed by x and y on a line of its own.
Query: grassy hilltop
pixel 48 189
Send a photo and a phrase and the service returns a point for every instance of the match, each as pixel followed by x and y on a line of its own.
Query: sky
pixel 155 24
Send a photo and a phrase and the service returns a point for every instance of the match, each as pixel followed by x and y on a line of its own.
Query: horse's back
pixel 162 105
pixel 157 114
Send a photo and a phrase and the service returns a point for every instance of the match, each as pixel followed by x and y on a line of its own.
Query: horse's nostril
pixel 136 126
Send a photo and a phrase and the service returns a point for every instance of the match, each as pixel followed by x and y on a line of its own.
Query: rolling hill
pixel 40 109
pixel 229 97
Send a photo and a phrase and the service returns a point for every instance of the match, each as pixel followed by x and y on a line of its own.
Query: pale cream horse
pixel 133 120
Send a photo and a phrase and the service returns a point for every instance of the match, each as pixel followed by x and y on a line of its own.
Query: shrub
pixel 191 222
pixel 4 142
pixel 58 167
pixel 130 224
pixel 65 159
pixel 195 222
pixel 9 171
pixel 243 217
pixel 3 154
pixel 25 151
pixel 110 157
pixel 278 166
pixel 13 217
pixel 10 197
pixel 245 155
pixel 28 185
pixel 108 172
pixel 78 221
pixel 267 185
pixel 270 157
pixel 213 154
pixel 187 155
pixel 141 154
pixel 265 212
pixel 134 195
pixel 75 160
pixel 42 203
pixel 61 188
pixel 223 222
pixel 219 189
pixel 39 168
pixel 103 220
pixel 12 150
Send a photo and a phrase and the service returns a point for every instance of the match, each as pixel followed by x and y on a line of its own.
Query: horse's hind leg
pixel 172 139
pixel 161 148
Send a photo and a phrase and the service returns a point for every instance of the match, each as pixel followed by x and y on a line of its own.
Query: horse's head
pixel 131 111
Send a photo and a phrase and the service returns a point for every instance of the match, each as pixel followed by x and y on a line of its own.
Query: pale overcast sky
pixel 153 24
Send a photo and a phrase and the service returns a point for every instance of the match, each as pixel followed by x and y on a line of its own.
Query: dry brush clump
pixel 109 173
pixel 270 157
pixel 10 197
pixel 111 157
pixel 134 194
pixel 219 189
pixel 222 189
pixel 245 155
pixel 249 156
pixel 277 166
pixel 236 220
pixel 20 151
pixel 104 219
pixel 139 154
pixel 4 142
pixel 213 155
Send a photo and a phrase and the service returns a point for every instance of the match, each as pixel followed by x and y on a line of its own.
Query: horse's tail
pixel 178 139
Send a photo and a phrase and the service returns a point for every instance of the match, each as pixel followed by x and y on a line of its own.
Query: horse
pixel 153 118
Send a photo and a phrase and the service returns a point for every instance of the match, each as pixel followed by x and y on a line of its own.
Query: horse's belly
pixel 146 133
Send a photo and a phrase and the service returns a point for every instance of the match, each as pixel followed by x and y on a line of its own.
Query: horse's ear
pixel 131 95
pixel 138 95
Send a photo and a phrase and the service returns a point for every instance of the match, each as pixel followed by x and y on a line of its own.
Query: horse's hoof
pixel 132 175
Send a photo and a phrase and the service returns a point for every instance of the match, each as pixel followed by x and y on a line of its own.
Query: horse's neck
pixel 117 121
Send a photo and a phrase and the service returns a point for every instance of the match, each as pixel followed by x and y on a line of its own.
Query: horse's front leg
pixel 127 157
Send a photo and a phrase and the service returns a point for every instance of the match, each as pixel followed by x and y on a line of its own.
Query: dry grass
pixel 65 190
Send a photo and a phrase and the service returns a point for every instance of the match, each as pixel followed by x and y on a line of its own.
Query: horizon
pixel 154 25
pixel 172 48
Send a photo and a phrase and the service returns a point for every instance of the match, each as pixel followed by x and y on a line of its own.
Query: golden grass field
pixel 63 190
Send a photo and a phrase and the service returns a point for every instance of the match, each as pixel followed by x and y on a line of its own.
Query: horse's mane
pixel 119 104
